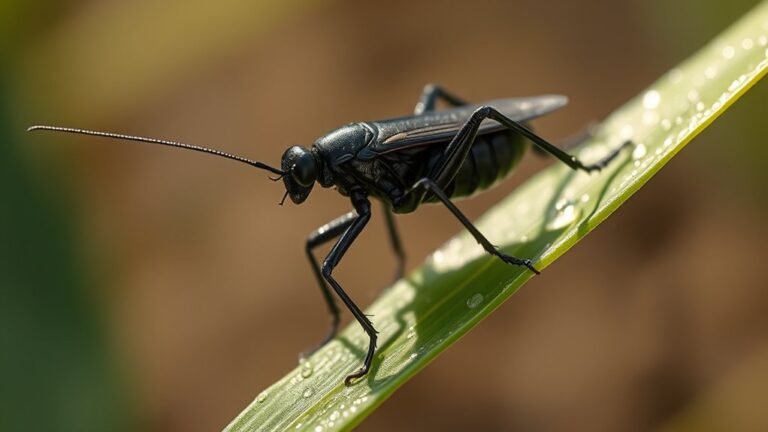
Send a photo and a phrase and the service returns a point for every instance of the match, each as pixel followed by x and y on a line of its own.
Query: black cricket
pixel 428 157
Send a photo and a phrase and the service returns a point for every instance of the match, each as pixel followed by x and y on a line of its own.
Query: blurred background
pixel 151 289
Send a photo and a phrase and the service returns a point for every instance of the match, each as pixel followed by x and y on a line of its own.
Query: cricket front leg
pixel 363 208
pixel 320 236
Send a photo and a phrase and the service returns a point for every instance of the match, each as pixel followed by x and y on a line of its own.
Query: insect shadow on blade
pixel 429 157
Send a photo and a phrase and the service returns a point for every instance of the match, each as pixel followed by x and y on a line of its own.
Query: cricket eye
pixel 304 170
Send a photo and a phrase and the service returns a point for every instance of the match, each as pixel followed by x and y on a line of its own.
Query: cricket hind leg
pixel 457 151
pixel 431 94
pixel 491 113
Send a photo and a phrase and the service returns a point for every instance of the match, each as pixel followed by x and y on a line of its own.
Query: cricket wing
pixel 441 126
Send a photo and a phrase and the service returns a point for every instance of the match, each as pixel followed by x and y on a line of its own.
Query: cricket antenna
pixel 113 135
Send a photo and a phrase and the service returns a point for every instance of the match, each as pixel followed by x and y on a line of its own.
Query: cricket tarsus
pixel 430 157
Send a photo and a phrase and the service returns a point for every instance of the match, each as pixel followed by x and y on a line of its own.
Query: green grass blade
pixel 459 285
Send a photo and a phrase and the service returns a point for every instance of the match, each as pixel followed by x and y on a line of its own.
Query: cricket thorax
pixel 342 144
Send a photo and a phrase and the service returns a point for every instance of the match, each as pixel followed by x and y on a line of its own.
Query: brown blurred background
pixel 151 289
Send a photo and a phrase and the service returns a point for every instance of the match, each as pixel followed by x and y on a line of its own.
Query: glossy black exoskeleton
pixel 430 156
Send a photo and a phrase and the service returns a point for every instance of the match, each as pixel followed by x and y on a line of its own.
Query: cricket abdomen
pixel 491 159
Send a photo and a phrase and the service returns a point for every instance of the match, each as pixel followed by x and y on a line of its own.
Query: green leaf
pixel 418 318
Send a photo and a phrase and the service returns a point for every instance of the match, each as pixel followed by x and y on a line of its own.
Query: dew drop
pixel 565 217
pixel 639 151
pixel 412 356
pixel 308 392
pixel 700 106
pixel 666 124
pixel 584 198
pixel 318 428
pixel 475 301
pixel 306 369
pixel 411 333
pixel 728 52
pixel 710 72
pixel 262 397
pixel 762 40
pixel 651 99
pixel 747 43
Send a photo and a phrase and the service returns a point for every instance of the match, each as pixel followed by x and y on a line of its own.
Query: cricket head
pixel 301 167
